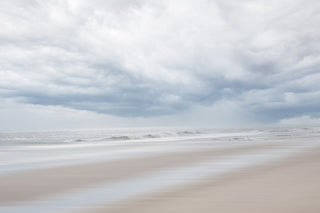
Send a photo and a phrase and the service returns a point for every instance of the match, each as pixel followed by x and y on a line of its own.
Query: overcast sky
pixel 108 63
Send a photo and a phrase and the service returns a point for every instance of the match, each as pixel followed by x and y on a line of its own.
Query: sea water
pixel 36 149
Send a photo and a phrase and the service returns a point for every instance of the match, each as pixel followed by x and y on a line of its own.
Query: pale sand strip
pixel 292 185
pixel 39 184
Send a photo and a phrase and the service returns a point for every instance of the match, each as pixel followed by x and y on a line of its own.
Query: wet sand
pixel 41 183
pixel 291 185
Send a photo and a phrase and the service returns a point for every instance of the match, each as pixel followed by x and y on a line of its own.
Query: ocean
pixel 34 149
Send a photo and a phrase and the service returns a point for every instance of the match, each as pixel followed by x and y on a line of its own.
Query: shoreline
pixel 289 185
pixel 35 190
pixel 31 185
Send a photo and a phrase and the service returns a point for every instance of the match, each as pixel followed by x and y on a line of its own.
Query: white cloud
pixel 150 58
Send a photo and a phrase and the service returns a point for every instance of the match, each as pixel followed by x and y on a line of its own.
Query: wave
pixel 93 135
pixel 135 134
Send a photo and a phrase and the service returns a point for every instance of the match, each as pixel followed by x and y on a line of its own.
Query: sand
pixel 37 184
pixel 288 185
pixel 292 185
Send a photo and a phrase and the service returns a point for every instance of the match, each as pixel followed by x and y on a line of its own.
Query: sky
pixel 122 63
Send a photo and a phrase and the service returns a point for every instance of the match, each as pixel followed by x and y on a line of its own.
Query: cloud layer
pixel 147 58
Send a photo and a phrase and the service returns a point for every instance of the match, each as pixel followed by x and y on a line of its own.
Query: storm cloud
pixel 148 58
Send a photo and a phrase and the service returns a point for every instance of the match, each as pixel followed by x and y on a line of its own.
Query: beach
pixel 238 171
pixel 292 186
pixel 119 106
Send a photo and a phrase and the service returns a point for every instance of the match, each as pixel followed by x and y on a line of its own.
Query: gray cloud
pixel 147 58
